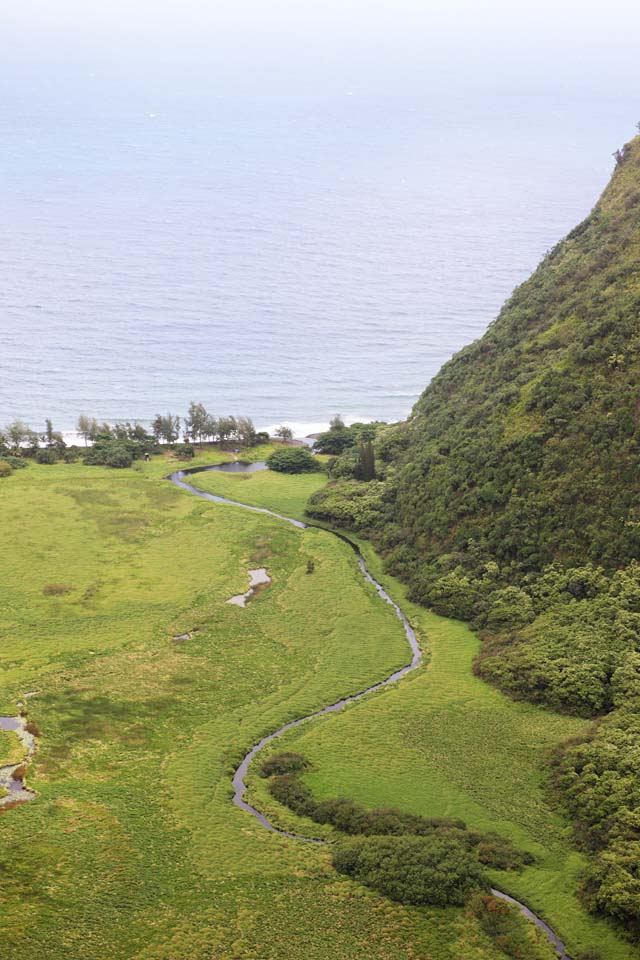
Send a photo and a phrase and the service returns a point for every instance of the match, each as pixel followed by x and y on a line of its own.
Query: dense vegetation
pixel 510 499
pixel 293 460
pixel 437 870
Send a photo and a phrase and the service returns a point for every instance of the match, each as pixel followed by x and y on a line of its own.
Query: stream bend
pixel 239 785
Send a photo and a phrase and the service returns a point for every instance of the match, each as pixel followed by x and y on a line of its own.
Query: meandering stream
pixel 239 785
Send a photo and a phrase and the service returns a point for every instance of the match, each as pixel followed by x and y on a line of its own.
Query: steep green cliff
pixel 511 498
pixel 527 441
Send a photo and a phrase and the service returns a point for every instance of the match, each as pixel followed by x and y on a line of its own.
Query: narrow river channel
pixel 239 785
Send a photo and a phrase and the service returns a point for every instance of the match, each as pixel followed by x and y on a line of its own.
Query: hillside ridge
pixel 510 499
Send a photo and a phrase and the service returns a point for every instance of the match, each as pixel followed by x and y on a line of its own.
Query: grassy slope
pixel 132 847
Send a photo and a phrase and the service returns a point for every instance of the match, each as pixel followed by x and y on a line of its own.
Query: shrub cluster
pixel 436 870
pixel 16 463
pixel 597 780
pixel 281 763
pixel 118 451
pixel 293 460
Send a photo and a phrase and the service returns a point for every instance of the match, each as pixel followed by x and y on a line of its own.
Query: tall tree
pixel 53 439
pixel 166 428
pixel 366 460
pixel 19 433
pixel 211 427
pixel 227 428
pixel 196 421
pixel 172 432
pixel 246 431
pixel 84 427
pixel 284 433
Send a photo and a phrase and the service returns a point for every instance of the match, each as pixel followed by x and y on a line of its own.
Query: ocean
pixel 285 257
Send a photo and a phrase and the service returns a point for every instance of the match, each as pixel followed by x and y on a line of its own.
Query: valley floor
pixel 132 849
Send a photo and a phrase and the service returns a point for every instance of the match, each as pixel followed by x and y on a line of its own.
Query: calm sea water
pixel 285 258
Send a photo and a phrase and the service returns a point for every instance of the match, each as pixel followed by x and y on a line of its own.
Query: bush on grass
pixel 417 870
pixel 293 460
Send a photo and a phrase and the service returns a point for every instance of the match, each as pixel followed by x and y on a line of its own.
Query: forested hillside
pixel 511 498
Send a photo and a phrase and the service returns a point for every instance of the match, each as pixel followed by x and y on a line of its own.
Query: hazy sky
pixel 577 46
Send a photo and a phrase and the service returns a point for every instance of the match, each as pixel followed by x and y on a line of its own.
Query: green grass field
pixel 285 493
pixel 443 743
pixel 132 847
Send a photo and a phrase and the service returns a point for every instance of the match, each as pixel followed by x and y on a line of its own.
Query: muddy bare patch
pixel 258 580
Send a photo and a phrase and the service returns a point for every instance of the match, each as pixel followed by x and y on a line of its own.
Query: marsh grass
pixel 132 848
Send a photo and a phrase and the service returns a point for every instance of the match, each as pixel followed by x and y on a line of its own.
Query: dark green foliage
pixel 118 456
pixel 417 870
pixel 289 790
pixel 335 441
pixel 598 782
pixel 282 763
pixel 571 657
pixel 342 438
pixel 184 451
pixel 120 447
pixel 293 460
pixel 351 504
pixel 612 884
pixel 366 461
pixel 110 453
pixel 16 463
pixel 495 851
pixel 46 455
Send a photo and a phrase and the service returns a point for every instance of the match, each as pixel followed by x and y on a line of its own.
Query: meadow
pixel 131 847
pixel 444 743
pixel 285 493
